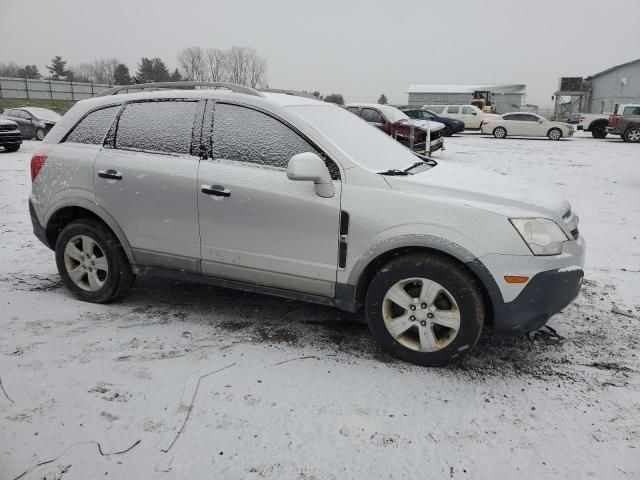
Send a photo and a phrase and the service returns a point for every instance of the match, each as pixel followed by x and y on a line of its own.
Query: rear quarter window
pixel 94 127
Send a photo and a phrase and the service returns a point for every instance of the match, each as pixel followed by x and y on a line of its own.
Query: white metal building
pixel 619 84
pixel 505 98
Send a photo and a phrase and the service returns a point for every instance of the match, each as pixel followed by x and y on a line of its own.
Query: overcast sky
pixel 357 48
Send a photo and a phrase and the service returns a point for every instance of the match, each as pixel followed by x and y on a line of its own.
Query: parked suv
pixel 295 197
pixel 471 115
pixel 625 121
pixel 10 137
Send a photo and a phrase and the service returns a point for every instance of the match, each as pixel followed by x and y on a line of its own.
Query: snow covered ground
pixel 301 391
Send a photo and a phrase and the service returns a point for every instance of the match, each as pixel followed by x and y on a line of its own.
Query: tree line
pixel 239 65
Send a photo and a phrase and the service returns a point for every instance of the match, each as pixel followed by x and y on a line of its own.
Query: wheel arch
pixel 464 259
pixel 62 215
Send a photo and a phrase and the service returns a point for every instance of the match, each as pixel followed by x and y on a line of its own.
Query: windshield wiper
pixel 427 160
pixel 394 171
pixel 417 164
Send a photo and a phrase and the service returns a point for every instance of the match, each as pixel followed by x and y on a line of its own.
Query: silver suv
pixel 286 195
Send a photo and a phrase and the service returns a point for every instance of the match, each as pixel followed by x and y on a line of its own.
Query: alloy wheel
pixel 86 263
pixel 633 135
pixel 421 314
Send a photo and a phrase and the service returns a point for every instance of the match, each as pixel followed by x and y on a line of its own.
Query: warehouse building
pixel 505 98
pixel 619 84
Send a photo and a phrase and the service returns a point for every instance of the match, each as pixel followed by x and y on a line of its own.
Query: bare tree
pixel 83 72
pixel 237 65
pixel 257 69
pixel 216 62
pixel 192 61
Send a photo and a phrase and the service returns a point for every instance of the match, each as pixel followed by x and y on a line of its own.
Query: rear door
pixel 145 178
pixel 470 117
pixel 453 111
pixel 257 226
pixel 514 125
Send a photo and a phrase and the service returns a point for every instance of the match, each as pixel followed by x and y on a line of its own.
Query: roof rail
pixel 173 85
pixel 290 92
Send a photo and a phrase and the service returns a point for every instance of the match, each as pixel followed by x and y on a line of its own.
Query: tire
pixel 599 132
pixel 554 134
pixel 452 297
pixel 447 132
pixel 40 134
pixel 500 132
pixel 102 277
pixel 12 148
pixel 632 135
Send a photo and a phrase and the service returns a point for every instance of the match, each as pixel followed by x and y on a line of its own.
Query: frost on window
pixel 163 126
pixel 246 135
pixel 372 116
pixel 94 127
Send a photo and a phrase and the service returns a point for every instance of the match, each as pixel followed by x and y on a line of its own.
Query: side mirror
pixel 310 167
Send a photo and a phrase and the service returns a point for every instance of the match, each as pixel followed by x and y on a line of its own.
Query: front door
pixel 256 225
pixel 147 179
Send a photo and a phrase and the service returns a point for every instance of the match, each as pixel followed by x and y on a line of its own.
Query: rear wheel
pixel 91 262
pixel 599 131
pixel 40 134
pixel 554 134
pixel 12 148
pixel 500 132
pixel 632 135
pixel 425 309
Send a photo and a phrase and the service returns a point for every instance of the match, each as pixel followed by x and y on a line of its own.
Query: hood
pixel 4 121
pixel 482 189
pixel 422 124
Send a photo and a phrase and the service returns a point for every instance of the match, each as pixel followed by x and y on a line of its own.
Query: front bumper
pixel 10 138
pixel 545 295
pixel 554 281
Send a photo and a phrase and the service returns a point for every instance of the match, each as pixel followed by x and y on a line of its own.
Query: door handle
pixel 217 190
pixel 111 174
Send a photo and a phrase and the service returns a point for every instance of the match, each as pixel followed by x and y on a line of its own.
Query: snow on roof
pixel 393 114
pixel 514 88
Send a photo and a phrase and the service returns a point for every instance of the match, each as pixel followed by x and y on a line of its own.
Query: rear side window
pixel 94 127
pixel 436 108
pixel 158 126
pixel 631 111
pixel 453 109
pixel 372 116
pixel 468 111
pixel 246 135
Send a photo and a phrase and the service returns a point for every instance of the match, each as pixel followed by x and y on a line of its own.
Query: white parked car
pixel 525 124
pixel 471 115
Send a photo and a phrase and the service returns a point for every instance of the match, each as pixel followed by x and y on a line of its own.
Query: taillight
pixel 37 162
pixel 613 120
pixel 581 118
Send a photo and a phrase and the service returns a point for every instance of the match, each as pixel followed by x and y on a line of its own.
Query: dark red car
pixel 395 123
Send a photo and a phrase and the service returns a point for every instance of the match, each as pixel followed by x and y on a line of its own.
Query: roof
pixel 392 113
pixel 614 68
pixel 513 88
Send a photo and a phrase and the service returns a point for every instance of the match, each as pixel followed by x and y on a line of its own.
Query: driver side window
pixel 246 135
pixel 372 116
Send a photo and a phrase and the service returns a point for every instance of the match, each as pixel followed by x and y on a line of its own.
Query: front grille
pixel 436 134
pixel 7 128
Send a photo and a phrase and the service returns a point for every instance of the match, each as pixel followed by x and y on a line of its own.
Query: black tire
pixel 12 148
pixel 554 134
pixel 119 277
pixel 632 135
pixel 447 132
pixel 599 132
pixel 40 134
pixel 622 137
pixel 452 277
pixel 500 132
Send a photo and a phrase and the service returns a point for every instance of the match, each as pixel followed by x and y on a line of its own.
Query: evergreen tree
pixel 175 76
pixel 121 75
pixel 30 71
pixel 152 70
pixel 382 100
pixel 58 69
pixel 335 98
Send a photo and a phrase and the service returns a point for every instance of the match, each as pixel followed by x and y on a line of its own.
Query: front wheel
pixel 632 135
pixel 425 309
pixel 40 134
pixel 500 132
pixel 12 148
pixel 554 134
pixel 91 262
pixel 599 132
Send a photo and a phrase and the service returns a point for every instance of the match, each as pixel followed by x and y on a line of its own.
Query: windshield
pixel 43 113
pixel 364 144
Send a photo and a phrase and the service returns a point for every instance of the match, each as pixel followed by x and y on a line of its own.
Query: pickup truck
pixel 625 121
pixel 596 123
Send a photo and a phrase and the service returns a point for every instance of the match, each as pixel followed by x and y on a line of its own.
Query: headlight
pixel 543 236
